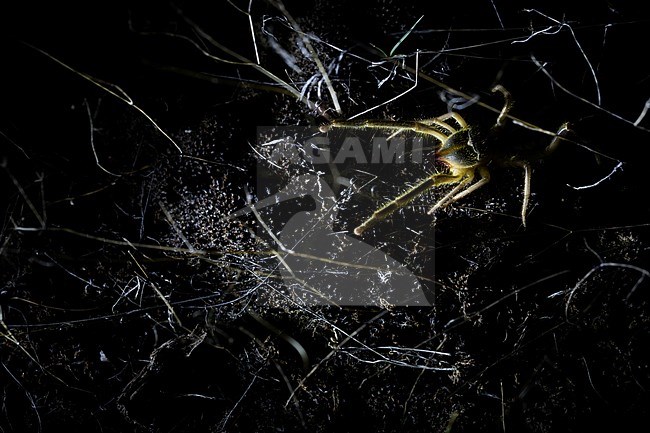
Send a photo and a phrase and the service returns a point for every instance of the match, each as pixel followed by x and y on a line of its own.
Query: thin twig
pixel 116 91
pixel 335 100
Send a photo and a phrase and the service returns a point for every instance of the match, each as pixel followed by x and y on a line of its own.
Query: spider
pixel 457 152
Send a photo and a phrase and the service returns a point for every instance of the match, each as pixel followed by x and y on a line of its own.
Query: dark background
pixel 89 344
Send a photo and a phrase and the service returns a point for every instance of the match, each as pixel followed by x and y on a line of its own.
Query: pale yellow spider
pixel 457 152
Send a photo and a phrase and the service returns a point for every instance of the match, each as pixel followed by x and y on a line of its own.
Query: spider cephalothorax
pixel 456 150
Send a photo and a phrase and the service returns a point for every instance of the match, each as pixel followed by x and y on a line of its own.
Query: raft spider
pixel 458 154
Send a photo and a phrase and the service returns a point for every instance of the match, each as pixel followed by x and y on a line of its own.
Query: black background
pixel 527 362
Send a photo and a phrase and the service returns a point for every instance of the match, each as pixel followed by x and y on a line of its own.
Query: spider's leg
pixel 451 115
pixel 443 201
pixel 485 178
pixel 528 169
pixel 405 198
pixel 558 138
pixel 507 104
pixel 457 117
pixel 388 125
pixel 527 175
pixel 524 205
pixel 440 123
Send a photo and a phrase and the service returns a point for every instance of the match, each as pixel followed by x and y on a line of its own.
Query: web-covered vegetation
pixel 131 300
